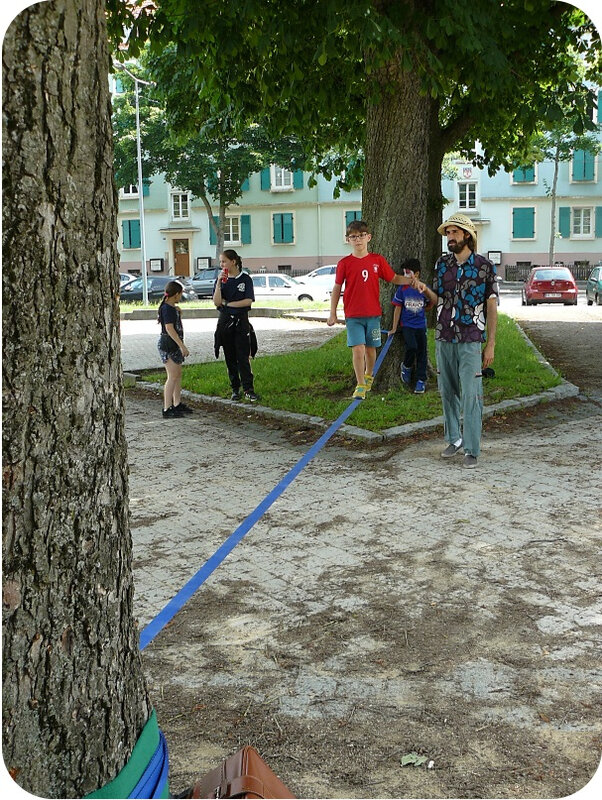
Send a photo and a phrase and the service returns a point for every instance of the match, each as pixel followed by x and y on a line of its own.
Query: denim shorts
pixel 363 330
pixel 176 356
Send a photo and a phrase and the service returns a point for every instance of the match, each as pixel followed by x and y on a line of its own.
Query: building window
pixel 283 228
pixel 232 230
pixel 524 175
pixel 523 223
pixel 467 195
pixel 179 205
pixel 581 227
pixel 282 179
pixel 583 166
pixel 128 192
pixel 131 234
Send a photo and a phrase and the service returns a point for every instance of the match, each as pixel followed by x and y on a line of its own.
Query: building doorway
pixel 181 260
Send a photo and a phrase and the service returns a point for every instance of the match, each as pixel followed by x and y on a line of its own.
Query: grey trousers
pixel 460 383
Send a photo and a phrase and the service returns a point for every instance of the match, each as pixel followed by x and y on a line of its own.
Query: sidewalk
pixel 385 604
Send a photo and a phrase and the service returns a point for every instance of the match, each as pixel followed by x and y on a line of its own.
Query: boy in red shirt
pixel 360 273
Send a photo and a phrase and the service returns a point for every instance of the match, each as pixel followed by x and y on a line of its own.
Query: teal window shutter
pixel 288 233
pixel 131 234
pixel 125 234
pixel 564 221
pixel 245 228
pixel 524 175
pixel 212 236
pixel 277 224
pixel 265 179
pixel 145 188
pixel 351 216
pixel 523 223
pixel 283 228
pixel 583 165
pixel 598 222
pixel 245 185
pixel 135 233
pixel 599 106
pixel 298 179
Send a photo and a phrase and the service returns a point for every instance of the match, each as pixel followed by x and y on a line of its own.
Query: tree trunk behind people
pixel 74 696
pixel 395 189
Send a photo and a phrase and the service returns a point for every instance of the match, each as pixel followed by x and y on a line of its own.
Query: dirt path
pixel 383 605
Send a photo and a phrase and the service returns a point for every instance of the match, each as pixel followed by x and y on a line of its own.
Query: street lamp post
pixel 138 81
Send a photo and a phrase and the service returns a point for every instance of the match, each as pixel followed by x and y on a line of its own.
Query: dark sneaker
pixel 176 411
pixel 168 413
pixel 470 462
pixel 451 450
pixel 235 396
pixel 420 387
pixel 186 409
pixel 406 374
pixel 251 397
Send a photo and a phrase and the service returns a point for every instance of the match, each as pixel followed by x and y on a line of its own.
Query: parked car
pixel 204 281
pixel 320 272
pixel 273 286
pixel 125 277
pixel 550 285
pixel 155 286
pixel 593 287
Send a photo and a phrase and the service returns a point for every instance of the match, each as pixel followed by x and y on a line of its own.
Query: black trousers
pixel 415 339
pixel 237 352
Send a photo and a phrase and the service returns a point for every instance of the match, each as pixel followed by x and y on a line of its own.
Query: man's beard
pixel 457 247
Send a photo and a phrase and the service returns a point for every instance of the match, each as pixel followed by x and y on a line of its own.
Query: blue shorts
pixel 363 330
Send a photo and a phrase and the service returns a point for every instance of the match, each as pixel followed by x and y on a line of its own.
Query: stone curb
pixel 561 392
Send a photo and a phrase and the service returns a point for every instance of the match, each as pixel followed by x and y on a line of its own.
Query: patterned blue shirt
pixel 462 291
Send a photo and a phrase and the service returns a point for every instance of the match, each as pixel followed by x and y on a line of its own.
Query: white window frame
pixel 172 205
pixel 592 222
pixel 129 192
pixel 476 195
pixel 279 179
pixel 229 221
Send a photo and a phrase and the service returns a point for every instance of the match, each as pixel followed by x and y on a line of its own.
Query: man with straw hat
pixel 467 293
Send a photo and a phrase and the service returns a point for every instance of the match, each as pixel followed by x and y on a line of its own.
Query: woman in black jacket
pixel 233 295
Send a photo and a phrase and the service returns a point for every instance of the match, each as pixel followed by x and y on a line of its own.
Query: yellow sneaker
pixel 360 392
pixel 368 380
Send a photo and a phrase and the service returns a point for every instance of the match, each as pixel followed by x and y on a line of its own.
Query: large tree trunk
pixel 74 696
pixel 395 196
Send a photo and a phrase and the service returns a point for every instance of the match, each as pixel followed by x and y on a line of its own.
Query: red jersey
pixel 361 290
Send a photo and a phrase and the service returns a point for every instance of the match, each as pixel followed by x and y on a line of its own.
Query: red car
pixel 550 285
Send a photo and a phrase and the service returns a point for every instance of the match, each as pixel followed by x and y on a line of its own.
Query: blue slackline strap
pixel 183 596
pixel 153 782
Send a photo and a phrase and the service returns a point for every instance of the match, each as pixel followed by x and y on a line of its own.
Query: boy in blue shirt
pixel 411 305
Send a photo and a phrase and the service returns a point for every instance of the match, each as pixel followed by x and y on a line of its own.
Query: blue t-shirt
pixel 412 304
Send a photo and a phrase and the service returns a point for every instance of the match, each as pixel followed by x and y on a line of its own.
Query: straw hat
pixel 460 221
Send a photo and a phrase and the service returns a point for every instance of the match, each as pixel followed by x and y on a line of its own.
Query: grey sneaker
pixel 470 462
pixel 451 450
pixel 235 395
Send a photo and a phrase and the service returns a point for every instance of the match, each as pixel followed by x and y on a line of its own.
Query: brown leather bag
pixel 245 774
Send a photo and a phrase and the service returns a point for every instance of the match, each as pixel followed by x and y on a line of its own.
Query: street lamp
pixel 138 81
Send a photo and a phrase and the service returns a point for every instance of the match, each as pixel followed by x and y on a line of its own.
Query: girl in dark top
pixel 233 295
pixel 172 350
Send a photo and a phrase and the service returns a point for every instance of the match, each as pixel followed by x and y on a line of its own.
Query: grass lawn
pixel 320 381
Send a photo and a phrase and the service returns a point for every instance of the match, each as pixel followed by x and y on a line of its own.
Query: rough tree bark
pixel 74 696
pixel 394 188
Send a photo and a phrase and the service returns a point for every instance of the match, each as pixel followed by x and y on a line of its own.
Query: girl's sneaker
pixel 368 381
pixel 406 374
pixel 360 392
pixel 420 387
